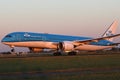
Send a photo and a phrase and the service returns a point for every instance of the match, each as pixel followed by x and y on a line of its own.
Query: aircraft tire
pixel 12 50
pixel 57 54
pixel 72 53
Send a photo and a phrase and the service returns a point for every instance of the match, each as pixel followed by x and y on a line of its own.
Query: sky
pixel 69 17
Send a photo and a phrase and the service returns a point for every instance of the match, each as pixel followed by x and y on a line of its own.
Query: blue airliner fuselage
pixel 30 37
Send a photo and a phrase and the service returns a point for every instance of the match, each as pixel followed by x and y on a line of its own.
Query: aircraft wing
pixel 95 40
pixel 116 44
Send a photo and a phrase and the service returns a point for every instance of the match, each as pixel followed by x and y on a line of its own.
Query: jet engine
pixel 66 46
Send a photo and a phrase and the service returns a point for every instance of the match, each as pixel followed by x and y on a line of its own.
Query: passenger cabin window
pixel 8 36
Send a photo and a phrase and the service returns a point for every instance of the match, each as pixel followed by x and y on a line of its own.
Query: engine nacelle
pixel 66 46
pixel 36 50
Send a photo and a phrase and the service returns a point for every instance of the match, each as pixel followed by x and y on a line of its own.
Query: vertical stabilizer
pixel 111 30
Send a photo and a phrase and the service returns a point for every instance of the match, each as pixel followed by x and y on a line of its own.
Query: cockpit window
pixel 8 36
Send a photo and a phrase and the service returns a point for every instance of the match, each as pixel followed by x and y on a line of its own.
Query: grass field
pixel 85 67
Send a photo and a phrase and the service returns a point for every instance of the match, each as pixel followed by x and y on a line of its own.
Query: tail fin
pixel 111 30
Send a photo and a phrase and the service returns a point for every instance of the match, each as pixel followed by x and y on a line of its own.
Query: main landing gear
pixel 69 53
pixel 72 53
pixel 57 54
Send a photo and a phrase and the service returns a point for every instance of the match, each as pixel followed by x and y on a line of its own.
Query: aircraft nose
pixel 7 38
pixel 3 40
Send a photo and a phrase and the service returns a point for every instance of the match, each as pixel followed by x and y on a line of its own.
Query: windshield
pixel 8 36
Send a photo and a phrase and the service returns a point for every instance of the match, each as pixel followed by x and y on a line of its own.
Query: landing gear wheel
pixel 12 50
pixel 57 54
pixel 72 53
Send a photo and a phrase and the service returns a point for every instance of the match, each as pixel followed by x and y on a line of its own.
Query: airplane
pixel 36 42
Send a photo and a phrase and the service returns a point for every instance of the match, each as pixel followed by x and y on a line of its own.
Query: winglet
pixel 111 30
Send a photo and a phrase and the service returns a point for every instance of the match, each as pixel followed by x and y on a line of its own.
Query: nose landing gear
pixel 12 50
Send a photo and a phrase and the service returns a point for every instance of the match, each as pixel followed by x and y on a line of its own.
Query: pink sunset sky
pixel 69 17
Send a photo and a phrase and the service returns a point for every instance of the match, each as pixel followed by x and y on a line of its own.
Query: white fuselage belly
pixel 38 44
pixel 92 47
pixel 50 45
